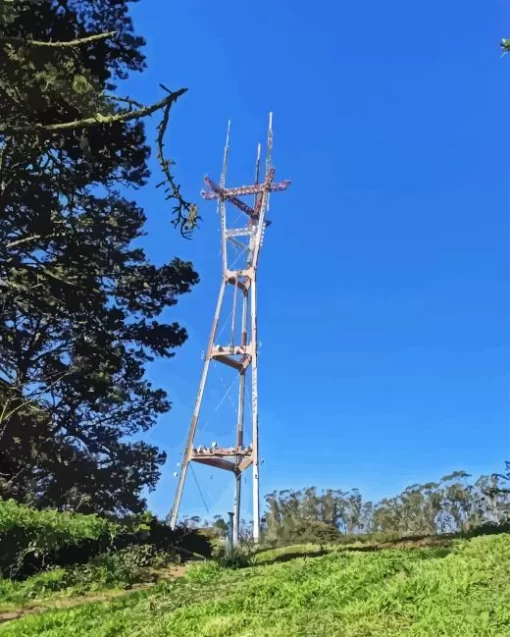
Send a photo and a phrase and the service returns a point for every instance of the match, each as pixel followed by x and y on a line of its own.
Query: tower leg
pixel 255 413
pixel 240 421
pixel 237 508
pixel 196 412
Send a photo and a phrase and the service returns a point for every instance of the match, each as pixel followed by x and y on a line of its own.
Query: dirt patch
pixel 72 602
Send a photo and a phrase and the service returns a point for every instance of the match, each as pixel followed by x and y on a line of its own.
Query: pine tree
pixel 79 304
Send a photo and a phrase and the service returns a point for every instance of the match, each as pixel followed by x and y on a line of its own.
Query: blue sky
pixel 384 282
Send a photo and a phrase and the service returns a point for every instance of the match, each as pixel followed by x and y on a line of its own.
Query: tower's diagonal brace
pixel 196 412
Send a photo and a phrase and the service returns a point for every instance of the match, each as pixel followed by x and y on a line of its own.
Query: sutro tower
pixel 240 249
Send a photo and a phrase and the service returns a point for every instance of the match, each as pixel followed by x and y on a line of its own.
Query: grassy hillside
pixel 460 590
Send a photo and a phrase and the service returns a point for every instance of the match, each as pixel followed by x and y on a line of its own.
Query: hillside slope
pixel 459 591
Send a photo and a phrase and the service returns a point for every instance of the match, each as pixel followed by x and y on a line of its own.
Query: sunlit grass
pixel 459 591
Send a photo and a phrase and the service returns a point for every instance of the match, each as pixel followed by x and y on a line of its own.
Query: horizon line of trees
pixel 455 503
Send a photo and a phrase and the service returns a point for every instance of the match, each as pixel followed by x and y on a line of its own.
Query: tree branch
pixel 58 45
pixel 88 122
pixel 126 100
pixel 18 242
pixel 186 213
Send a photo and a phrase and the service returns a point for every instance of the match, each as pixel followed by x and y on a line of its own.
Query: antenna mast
pixel 241 357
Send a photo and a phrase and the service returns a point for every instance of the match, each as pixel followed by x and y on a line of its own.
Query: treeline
pixel 457 503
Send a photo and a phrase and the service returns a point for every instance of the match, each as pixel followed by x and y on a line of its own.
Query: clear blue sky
pixel 384 282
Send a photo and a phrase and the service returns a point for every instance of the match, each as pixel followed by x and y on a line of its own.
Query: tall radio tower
pixel 240 249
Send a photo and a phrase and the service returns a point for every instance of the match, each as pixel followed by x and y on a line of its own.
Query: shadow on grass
pixel 437 552
pixel 287 557
pixel 429 546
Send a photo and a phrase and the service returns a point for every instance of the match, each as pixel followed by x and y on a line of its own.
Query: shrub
pixel 131 565
pixel 122 569
pixel 19 593
pixel 237 559
pixel 28 537
pixel 32 540
pixel 303 531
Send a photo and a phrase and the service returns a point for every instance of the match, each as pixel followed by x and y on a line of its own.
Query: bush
pixel 122 569
pixel 488 528
pixel 32 541
pixel 18 593
pixel 304 531
pixel 29 537
pixel 129 566
pixel 146 529
pixel 237 559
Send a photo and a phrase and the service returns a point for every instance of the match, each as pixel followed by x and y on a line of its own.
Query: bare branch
pixel 125 100
pixel 186 213
pixel 58 45
pixel 18 242
pixel 89 122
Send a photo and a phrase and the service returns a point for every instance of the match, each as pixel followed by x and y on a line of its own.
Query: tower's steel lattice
pixel 241 356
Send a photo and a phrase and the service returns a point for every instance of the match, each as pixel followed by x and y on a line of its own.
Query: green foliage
pixel 34 540
pixel 80 303
pixel 417 593
pixel 13 593
pixel 123 568
pixel 112 570
pixel 238 558
pixel 455 505
pixel 500 481
pixel 452 505
pixel 204 572
pixel 220 526
pixel 27 534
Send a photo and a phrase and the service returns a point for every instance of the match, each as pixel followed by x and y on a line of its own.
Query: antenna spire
pixel 269 153
pixel 225 157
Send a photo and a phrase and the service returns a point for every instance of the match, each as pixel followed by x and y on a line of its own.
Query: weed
pixel 204 572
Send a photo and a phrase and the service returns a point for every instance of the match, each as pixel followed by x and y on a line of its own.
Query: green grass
pixel 107 573
pixel 45 588
pixel 459 591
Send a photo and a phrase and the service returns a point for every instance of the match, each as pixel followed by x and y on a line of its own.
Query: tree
pixel 79 302
pixel 503 479
pixel 451 505
pixel 220 526
pixel 193 522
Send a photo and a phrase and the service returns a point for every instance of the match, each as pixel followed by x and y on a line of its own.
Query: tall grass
pixel 458 591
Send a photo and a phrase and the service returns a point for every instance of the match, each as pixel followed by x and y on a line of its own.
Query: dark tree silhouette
pixel 79 303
